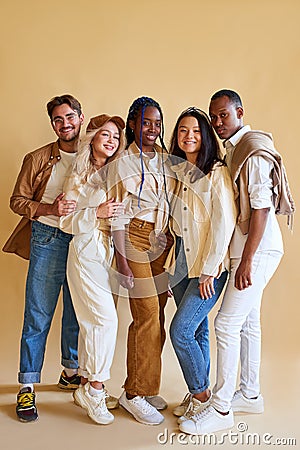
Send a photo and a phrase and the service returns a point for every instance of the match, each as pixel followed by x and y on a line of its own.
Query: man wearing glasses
pixel 39 199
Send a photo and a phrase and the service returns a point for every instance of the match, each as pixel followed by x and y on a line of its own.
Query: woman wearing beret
pixel 89 260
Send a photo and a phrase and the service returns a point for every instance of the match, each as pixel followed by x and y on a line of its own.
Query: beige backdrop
pixel 180 53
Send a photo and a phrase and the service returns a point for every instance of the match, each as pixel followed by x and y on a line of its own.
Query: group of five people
pixel 113 209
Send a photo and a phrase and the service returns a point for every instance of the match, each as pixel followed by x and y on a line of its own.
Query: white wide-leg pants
pixel 88 266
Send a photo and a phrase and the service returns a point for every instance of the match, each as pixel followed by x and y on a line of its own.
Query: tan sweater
pixel 259 143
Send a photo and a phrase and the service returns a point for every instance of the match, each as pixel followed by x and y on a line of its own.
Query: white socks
pixel 27 385
pixel 94 392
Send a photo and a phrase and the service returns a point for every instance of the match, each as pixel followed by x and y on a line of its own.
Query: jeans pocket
pixel 42 236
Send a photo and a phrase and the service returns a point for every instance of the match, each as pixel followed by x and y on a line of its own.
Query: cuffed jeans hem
pixel 199 391
pixel 29 377
pixel 69 364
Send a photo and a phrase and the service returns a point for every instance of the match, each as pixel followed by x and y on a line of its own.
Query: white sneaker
pixel 111 402
pixel 95 405
pixel 242 404
pixel 208 421
pixel 141 410
pixel 179 410
pixel 157 401
pixel 194 407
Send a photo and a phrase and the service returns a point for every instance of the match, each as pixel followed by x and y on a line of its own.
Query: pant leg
pixel 161 280
pixel 234 312
pixel 46 275
pixel 88 276
pixel 144 335
pixel 250 353
pixel 190 334
pixel 179 281
pixel 69 331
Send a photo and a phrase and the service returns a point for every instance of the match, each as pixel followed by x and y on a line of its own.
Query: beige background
pixel 180 53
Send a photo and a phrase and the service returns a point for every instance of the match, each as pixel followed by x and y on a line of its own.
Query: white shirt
pixel 55 185
pixel 260 190
pixel 124 181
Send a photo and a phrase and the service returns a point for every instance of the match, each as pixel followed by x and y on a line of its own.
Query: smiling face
pixel 151 127
pixel 226 117
pixel 106 142
pixel 66 122
pixel 189 137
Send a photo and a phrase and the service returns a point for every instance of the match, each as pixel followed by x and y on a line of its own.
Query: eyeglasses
pixel 59 120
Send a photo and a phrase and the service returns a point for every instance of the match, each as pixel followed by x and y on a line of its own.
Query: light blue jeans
pixel 46 276
pixel 189 329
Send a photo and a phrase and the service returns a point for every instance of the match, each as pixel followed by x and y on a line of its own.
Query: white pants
pixel 88 266
pixel 238 331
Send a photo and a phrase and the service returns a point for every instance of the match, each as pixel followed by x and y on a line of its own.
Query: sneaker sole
pixel 28 421
pixel 138 419
pixel 249 411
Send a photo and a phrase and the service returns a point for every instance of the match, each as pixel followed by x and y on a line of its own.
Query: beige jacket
pixel 27 194
pixel 124 182
pixel 206 209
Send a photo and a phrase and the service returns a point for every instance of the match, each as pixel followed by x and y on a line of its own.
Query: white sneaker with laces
pixel 194 407
pixel 157 401
pixel 179 410
pixel 242 404
pixel 95 405
pixel 208 421
pixel 111 402
pixel 141 410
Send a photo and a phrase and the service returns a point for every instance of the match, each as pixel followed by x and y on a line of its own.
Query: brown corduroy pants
pixel 148 298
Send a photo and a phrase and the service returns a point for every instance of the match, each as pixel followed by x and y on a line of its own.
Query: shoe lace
pixel 204 413
pixel 100 400
pixel 26 400
pixel 143 405
pixel 192 409
pixel 186 400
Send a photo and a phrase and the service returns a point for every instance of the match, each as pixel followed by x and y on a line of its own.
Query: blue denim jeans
pixel 189 329
pixel 46 276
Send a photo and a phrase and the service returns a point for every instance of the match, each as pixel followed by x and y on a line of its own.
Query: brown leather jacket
pixel 27 194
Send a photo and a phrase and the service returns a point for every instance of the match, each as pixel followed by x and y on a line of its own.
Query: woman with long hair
pixel 203 220
pixel 90 256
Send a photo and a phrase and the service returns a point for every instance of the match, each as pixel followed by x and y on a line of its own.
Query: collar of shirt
pixel 184 167
pixel 235 139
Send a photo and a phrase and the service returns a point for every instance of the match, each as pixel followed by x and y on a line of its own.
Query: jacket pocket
pixel 201 206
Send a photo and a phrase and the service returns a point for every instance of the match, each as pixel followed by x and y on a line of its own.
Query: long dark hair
pixel 209 152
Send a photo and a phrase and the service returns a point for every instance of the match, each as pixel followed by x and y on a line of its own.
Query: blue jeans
pixel 46 276
pixel 189 329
